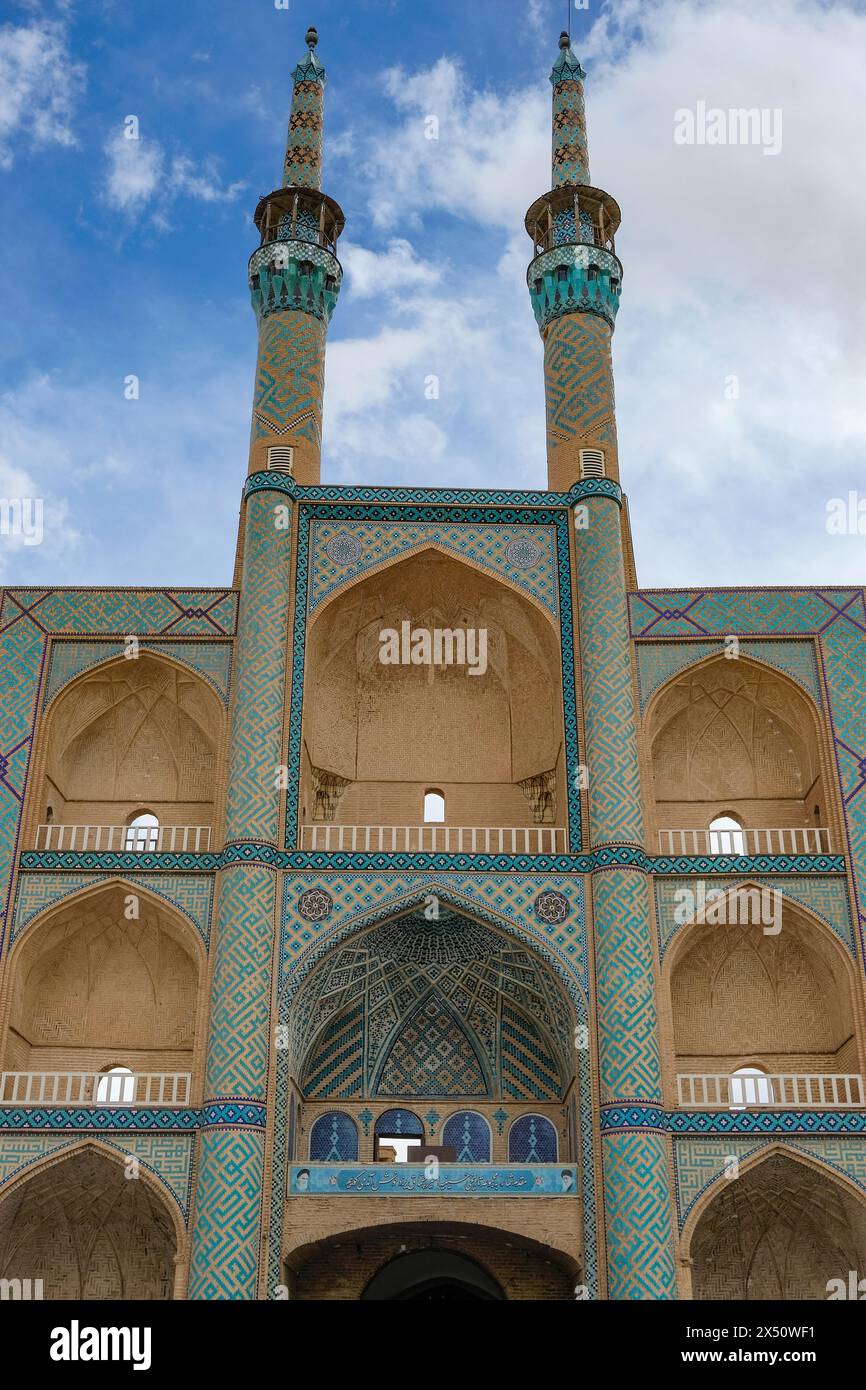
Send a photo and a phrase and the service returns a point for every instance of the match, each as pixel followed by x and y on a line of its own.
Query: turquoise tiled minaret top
pixel 303 164
pixel 570 153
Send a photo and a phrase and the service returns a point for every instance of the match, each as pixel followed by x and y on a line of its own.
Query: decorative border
pixel 603 857
pixel 234 1113
pixel 441 497
pixel 640 1115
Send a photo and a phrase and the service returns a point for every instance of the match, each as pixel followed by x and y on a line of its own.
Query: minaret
pixel 295 278
pixel 574 283
pixel 294 282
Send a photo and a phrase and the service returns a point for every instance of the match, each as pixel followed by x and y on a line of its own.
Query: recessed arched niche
pixel 733 741
pixel 473 710
pixel 106 983
pixel 131 742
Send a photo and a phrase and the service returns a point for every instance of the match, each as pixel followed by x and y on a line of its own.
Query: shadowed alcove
pixel 379 737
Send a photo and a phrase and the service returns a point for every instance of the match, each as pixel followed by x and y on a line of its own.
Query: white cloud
pixel 134 171
pixel 393 271
pixel 736 265
pixel 39 86
pixel 139 173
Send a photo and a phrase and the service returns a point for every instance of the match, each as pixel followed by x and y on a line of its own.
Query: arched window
pixel 532 1139
pixel 142 833
pixel 468 1133
pixel 726 836
pixel 399 1130
pixel 116 1087
pixel 434 808
pixel 749 1086
pixel 334 1138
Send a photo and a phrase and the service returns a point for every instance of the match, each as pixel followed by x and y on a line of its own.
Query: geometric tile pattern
pixel 210 659
pixel 658 661
pixel 826 897
pixel 432 1055
pixel 125 612
pixel 468 1133
pixel 532 1139
pixel 614 791
pixel 22 646
pixel 255 751
pixel 504 901
pixel 578 386
pixel 637 1200
pixel 629 1062
pixel 474 497
pixel 238 1047
pixel 191 894
pixel 290 378
pixel 570 154
pixel 303 162
pixel 169 1156
pixel 430 1009
pixel 701 1163
pixel 487 546
pixel 334 1138
pixel 224 1261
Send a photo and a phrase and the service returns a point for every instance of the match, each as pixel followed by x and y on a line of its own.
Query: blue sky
pixel 122 257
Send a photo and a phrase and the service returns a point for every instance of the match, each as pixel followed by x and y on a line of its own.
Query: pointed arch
pixel 90 1232
pixel 112 971
pixel 505 725
pixel 742 737
pixel 766 981
pixel 749 1169
pixel 411 552
pixel 123 734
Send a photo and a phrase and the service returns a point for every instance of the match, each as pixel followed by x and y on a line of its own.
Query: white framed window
pixel 434 808
pixel 142 833
pixel 726 836
pixel 116 1087
pixel 749 1086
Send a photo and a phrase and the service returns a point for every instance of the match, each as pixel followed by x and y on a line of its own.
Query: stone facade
pixel 615 983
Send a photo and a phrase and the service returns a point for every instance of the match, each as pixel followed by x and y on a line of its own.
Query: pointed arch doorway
pixel 432 1276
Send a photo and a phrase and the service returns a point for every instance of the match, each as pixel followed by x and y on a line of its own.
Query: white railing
pixel 137 839
pixel 796 839
pixel 776 1091
pixel 94 1088
pixel 447 839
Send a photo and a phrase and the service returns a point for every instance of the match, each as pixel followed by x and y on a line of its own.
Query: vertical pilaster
pixel 227 1232
pixel 634 1149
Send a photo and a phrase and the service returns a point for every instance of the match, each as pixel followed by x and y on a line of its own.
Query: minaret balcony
pixel 574 277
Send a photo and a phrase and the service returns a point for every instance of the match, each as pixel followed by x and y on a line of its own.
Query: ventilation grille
pixel 591 463
pixel 281 459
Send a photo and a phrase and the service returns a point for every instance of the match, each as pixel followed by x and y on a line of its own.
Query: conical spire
pixel 570 153
pixel 303 164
